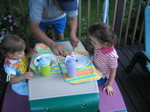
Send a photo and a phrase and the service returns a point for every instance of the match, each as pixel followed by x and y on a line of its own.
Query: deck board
pixel 123 81
pixel 134 83
pixel 130 86
pixel 139 77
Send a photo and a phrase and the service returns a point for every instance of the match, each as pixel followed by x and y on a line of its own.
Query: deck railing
pixel 125 16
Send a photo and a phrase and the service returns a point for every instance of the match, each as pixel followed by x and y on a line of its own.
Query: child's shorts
pixel 21 88
pixel 102 81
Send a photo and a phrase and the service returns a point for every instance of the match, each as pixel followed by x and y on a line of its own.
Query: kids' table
pixel 53 94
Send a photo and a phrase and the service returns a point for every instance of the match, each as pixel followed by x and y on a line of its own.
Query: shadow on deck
pixel 134 86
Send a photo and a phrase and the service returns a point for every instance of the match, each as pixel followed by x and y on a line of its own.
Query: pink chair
pixel 111 103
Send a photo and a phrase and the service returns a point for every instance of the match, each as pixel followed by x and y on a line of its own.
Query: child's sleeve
pixel 113 63
pixel 9 71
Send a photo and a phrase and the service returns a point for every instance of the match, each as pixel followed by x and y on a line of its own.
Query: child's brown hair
pixel 103 33
pixel 12 44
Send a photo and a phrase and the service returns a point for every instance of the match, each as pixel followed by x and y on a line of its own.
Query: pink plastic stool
pixel 111 103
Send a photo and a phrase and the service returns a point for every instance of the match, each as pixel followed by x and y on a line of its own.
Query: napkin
pixel 42 49
pixel 85 74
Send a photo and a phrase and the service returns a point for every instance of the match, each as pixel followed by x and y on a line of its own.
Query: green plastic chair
pixel 143 57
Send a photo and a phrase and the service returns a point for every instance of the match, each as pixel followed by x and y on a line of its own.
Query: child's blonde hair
pixel 12 44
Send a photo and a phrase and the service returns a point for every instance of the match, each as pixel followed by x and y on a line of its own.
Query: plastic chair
pixel 143 57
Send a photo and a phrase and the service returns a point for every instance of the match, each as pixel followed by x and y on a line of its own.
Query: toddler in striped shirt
pixel 105 57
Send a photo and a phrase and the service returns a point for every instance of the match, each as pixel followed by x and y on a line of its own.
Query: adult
pixel 53 12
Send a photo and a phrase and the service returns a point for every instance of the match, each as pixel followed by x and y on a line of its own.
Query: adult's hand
pixel 74 41
pixel 57 49
pixel 41 36
pixel 73 27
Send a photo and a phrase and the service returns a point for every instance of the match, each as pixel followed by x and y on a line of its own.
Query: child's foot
pixel 101 81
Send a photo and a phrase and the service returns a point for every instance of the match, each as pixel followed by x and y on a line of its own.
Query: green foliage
pixel 132 19
pixel 7 24
pixel 17 16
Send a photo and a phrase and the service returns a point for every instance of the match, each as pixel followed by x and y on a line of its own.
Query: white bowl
pixel 53 59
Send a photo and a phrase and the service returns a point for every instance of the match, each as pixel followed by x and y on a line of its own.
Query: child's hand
pixel 28 75
pixel 110 91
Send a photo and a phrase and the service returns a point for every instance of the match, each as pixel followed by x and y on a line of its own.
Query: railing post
pixel 11 10
pixel 119 19
pixel 97 11
pixel 24 24
pixel 1 7
pixel 88 24
pixel 79 20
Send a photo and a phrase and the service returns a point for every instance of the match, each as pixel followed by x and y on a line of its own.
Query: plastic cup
pixel 44 63
pixel 71 67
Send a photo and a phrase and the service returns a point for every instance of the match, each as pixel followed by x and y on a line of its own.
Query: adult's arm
pixel 73 28
pixel 41 36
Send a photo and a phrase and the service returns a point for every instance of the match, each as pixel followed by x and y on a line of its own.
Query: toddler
pixel 105 56
pixel 15 65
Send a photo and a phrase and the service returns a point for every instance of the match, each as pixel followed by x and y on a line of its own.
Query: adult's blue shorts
pixel 58 25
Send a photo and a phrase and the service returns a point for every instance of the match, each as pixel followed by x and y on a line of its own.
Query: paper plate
pixel 54 59
pixel 82 61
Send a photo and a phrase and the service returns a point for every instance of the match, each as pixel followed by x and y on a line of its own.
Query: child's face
pixel 16 55
pixel 97 44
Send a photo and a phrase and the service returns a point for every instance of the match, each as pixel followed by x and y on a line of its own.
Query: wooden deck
pixel 134 86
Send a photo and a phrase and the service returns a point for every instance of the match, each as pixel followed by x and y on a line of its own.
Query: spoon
pixel 70 57
pixel 72 52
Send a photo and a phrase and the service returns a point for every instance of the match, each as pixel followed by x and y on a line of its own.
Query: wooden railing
pixel 126 18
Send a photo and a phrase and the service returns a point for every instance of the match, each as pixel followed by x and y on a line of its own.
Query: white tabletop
pixel 54 85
